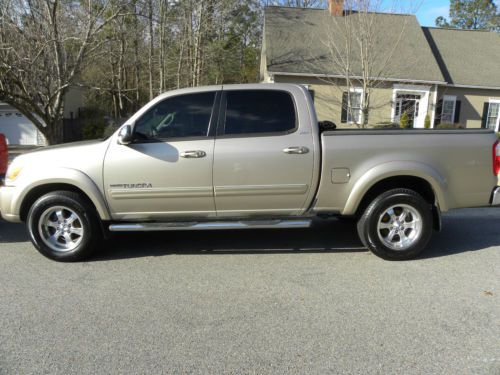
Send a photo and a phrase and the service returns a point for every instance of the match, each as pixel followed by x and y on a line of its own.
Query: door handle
pixel 193 154
pixel 299 150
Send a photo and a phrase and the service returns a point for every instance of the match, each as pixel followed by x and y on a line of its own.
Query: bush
pixel 386 125
pixel 448 126
pixel 404 121
pixel 427 122
pixel 93 130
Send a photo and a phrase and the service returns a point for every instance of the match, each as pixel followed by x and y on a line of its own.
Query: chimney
pixel 336 7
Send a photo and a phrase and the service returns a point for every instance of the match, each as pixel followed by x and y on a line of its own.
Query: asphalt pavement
pixel 303 301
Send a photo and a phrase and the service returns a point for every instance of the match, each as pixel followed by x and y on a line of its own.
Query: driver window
pixel 180 116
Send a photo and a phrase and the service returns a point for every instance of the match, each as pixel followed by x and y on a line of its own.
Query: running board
pixel 214 225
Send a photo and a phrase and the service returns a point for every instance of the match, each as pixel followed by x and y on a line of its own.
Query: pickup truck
pixel 248 156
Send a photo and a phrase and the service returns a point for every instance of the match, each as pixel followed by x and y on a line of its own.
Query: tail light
pixel 496 158
pixel 4 154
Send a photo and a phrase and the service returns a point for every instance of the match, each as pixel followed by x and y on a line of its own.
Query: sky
pixel 429 10
pixel 426 10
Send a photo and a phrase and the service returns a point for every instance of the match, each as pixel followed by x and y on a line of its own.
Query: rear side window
pixel 259 111
pixel 178 117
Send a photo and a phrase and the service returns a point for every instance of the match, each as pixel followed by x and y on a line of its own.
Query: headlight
pixel 12 173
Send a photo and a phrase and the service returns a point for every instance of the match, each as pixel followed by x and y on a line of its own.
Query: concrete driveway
pixel 255 302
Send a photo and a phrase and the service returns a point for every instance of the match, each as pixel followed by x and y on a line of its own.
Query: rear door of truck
pixel 264 154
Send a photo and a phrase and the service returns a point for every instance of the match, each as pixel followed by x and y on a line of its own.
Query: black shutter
pixel 439 111
pixel 458 104
pixel 484 119
pixel 343 116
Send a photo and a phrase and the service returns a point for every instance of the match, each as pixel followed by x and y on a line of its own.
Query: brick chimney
pixel 336 7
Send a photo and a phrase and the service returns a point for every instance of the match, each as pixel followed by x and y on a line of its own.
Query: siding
pixel 473 100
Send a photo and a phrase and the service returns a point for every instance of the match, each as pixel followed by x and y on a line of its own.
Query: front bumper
pixel 495 197
pixel 6 204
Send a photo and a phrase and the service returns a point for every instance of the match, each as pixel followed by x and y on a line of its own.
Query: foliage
pixel 404 121
pixel 123 52
pixel 386 125
pixel 447 126
pixel 471 14
pixel 427 122
pixel 93 123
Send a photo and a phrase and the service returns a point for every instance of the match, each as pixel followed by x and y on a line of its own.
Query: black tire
pixel 368 224
pixel 88 221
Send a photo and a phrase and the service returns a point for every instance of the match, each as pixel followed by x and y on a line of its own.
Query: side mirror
pixel 125 135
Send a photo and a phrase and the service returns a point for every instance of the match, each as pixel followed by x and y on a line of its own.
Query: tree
pixel 353 54
pixel 471 14
pixel 44 45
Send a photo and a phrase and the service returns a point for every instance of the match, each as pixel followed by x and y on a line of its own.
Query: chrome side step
pixel 213 225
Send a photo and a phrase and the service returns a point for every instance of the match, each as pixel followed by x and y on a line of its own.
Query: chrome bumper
pixel 495 197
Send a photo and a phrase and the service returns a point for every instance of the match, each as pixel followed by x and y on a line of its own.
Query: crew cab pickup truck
pixel 248 156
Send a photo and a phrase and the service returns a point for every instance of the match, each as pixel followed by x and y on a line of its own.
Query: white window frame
pixel 449 98
pixel 360 91
pixel 494 101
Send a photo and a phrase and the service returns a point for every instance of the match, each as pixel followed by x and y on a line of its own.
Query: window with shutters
pixel 448 109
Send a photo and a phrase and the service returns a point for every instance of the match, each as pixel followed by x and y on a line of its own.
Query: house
pixel 432 75
pixel 19 130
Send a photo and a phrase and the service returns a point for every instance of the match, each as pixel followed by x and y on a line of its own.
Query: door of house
pixel 409 104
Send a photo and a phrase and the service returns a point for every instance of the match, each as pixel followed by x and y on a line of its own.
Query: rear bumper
pixel 495 197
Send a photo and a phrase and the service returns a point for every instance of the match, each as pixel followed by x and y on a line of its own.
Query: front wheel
pixel 63 226
pixel 397 225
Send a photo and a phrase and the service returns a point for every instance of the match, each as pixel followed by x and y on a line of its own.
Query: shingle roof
pixel 469 58
pixel 296 41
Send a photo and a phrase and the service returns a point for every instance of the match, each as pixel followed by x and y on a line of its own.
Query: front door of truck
pixel 264 159
pixel 167 169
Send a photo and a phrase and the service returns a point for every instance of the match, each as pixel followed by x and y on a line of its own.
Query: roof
pixel 466 57
pixel 298 41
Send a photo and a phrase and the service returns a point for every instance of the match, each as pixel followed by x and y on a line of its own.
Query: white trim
pixel 404 80
pixel 423 91
pixel 434 105
pixel 494 101
pixel 357 90
pixel 472 87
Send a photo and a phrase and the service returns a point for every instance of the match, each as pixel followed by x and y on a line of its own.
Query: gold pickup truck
pixel 248 156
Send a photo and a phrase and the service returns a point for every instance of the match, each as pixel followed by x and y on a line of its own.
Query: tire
pixel 397 225
pixel 64 227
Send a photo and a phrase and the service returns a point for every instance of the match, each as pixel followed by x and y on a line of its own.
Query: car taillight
pixel 496 158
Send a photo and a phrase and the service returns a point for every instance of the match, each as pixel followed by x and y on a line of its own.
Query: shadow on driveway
pixel 461 233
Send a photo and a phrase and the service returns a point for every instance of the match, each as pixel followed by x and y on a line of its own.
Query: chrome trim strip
pixel 246 190
pixel 216 225
pixel 183 192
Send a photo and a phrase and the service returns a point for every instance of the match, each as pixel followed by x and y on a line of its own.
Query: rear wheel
pixel 63 226
pixel 397 225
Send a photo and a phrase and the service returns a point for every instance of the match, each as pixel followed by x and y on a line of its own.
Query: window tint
pixel 180 116
pixel 259 111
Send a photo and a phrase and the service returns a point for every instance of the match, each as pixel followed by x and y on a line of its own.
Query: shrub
pixel 93 123
pixel 427 122
pixel 386 125
pixel 404 121
pixel 447 126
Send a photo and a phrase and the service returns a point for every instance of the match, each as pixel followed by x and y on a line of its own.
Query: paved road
pixel 255 302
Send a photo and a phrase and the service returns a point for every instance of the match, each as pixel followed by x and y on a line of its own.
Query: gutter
pixel 355 77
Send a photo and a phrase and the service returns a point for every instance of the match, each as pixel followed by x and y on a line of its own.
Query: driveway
pixel 255 302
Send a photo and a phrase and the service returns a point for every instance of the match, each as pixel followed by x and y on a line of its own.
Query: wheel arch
pixel 74 181
pixel 419 177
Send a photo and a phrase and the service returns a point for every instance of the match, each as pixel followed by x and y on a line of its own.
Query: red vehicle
pixel 4 157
